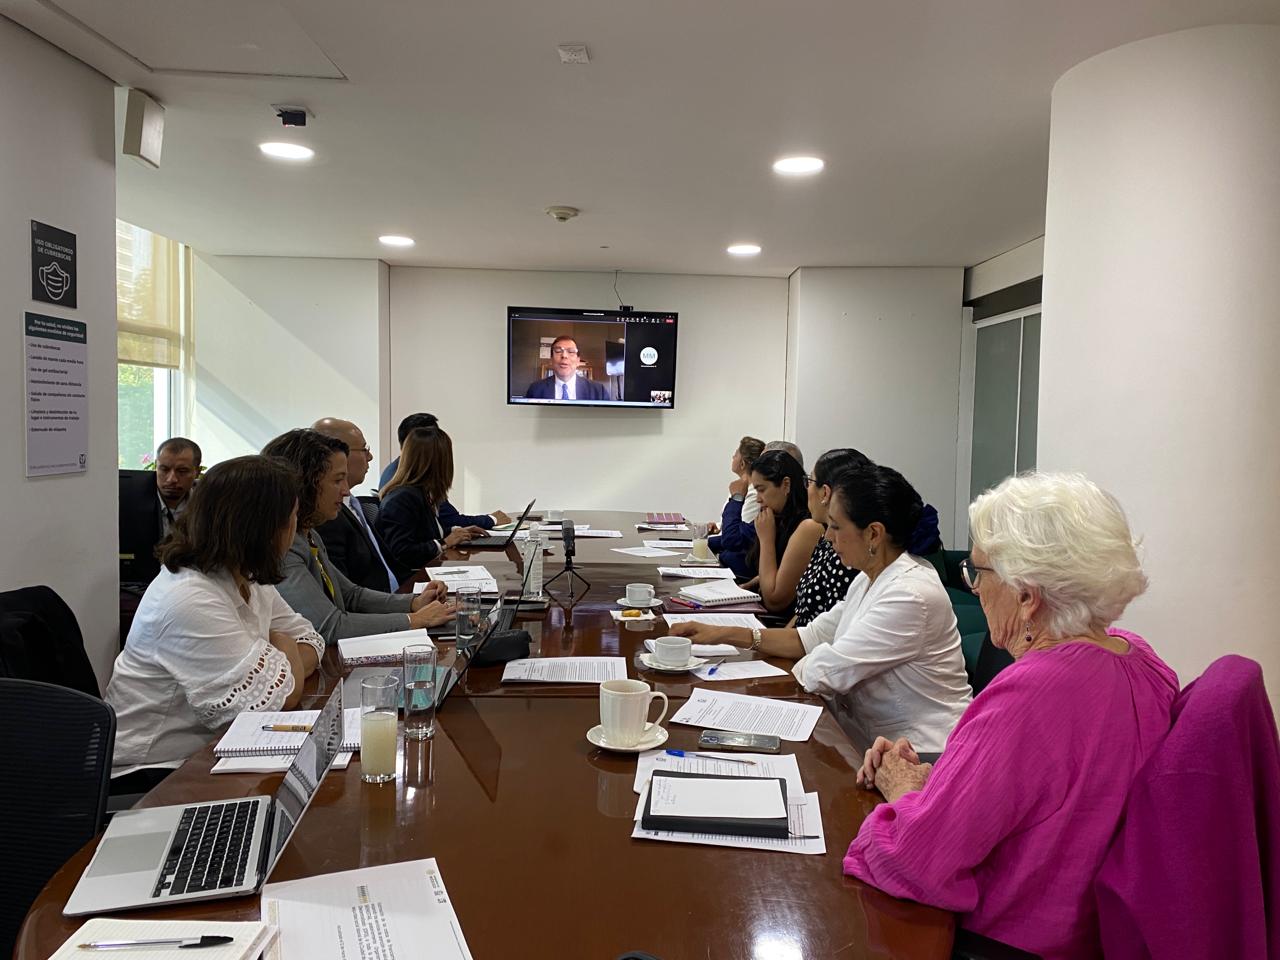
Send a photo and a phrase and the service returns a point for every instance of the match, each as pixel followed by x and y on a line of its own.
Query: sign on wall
pixel 53 265
pixel 57 354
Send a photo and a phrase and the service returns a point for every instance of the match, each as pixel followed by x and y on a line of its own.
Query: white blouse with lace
pixel 197 655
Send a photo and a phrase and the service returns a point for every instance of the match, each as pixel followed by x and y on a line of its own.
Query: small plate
pixel 689 560
pixel 654 736
pixel 651 661
pixel 624 602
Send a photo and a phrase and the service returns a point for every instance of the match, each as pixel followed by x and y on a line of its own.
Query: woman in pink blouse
pixel 1010 826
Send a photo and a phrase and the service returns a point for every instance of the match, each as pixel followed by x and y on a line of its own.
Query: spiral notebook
pixel 717 593
pixel 246 738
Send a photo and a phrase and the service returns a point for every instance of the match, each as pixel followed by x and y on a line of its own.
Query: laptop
pixel 500 541
pixel 206 851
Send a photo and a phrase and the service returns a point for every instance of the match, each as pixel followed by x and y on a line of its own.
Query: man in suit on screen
pixel 565 384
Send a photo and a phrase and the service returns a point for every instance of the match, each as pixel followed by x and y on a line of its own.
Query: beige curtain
pixel 151 297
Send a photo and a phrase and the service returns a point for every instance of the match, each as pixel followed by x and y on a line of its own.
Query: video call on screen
pixel 623 359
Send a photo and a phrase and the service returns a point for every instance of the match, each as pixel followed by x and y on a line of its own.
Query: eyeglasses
pixel 564 351
pixel 809 481
pixel 365 450
pixel 971 573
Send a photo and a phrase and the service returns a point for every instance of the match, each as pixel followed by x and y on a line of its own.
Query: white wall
pixel 1025 262
pixel 448 357
pixel 57 165
pixel 1160 339
pixel 280 343
pixel 876 366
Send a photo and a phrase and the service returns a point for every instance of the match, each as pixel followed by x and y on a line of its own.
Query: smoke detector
pixel 562 214
pixel 573 53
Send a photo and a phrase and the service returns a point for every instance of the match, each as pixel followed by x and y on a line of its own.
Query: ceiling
pixel 457 124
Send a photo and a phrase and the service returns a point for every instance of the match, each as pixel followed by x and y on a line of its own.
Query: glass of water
pixel 468 615
pixel 419 691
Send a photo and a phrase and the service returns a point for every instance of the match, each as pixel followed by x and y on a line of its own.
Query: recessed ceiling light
pixel 392 240
pixel 798 166
pixel 744 249
pixel 287 151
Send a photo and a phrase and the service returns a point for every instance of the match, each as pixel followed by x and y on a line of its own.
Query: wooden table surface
pixel 531 826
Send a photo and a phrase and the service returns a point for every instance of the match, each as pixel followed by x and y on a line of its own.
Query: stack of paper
pixel 565 670
pixel 476 575
pixel 664 527
pixel 380 647
pixel 396 910
pixel 644 551
pixel 666 543
pixel 268 764
pixel 697 573
pixel 743 714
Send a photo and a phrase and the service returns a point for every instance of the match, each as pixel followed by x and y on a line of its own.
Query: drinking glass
pixel 701 547
pixel 419 691
pixel 468 615
pixel 379 706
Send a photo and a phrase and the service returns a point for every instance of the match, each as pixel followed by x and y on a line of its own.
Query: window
pixel 153 314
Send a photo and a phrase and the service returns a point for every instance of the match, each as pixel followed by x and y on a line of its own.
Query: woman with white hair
pixel 1011 825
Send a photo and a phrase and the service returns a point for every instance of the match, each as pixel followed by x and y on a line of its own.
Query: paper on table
pixel 804 819
pixel 565 670
pixel 610 534
pixel 249 938
pixel 747 620
pixel 717 710
pixel 782 765
pixel 663 527
pixel 748 798
pixel 395 910
pixel 738 670
pixel 268 764
pixel 697 573
pixel 685 545
pixel 700 649
pixel 636 615
pixel 643 551
pixel 454 577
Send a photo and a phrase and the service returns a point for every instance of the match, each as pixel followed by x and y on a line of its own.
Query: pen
pixel 703 756
pixel 686 603
pixel 288 727
pixel 183 943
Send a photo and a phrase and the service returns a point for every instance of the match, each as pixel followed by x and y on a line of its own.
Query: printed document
pixel 565 670
pixel 394 911
pixel 748 620
pixel 716 710
pixel 643 551
pixel 697 573
pixel 782 765
pixel 738 670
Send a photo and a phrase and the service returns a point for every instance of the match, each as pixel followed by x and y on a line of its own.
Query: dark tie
pixel 564 391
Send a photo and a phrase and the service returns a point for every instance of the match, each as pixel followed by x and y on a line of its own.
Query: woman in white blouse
pixel 212 637
pixel 888 655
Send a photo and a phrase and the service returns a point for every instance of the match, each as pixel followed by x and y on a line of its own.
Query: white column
pixel 1160 358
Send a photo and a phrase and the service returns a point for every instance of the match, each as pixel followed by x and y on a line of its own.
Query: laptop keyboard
pixel 210 850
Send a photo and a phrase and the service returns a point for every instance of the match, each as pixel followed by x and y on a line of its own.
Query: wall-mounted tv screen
pixel 602 358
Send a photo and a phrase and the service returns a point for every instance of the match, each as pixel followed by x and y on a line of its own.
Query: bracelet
pixel 757 637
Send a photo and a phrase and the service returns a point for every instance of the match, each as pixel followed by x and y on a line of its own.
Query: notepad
pixel 668 518
pixel 246 738
pixel 706 797
pixel 248 939
pixel 377 648
pixel 719 593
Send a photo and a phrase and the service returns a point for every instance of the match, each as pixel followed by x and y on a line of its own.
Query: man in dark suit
pixel 564 383
pixel 149 505
pixel 353 545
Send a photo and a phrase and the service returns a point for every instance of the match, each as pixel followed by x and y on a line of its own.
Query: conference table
pixel 531 825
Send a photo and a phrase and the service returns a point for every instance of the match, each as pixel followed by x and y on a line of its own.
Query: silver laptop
pixel 204 851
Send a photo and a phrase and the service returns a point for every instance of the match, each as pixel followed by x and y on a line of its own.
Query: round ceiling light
pixel 394 240
pixel 286 151
pixel 798 166
pixel 744 249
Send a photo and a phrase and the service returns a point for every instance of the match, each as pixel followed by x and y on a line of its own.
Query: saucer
pixel 624 602
pixel 651 661
pixel 654 736
pixel 689 560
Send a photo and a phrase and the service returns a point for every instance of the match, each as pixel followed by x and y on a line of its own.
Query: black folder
pixel 776 828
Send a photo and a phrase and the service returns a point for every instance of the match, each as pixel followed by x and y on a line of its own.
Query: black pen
pixel 182 943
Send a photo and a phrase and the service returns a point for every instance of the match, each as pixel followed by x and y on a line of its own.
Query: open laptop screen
pixel 305 773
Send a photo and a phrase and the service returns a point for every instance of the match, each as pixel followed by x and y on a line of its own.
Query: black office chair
pixel 40 639
pixel 56 747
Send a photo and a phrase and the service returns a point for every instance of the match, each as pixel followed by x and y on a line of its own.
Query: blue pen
pixel 703 756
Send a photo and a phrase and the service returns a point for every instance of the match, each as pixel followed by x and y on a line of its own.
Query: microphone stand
pixel 570 548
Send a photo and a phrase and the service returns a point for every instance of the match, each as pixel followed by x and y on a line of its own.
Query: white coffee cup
pixel 673 651
pixel 624 708
pixel 639 593
pixel 553 515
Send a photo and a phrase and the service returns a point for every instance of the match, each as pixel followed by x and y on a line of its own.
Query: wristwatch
pixel 756 638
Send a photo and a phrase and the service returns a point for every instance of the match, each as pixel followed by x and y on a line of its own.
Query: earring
pixel 1026 625
pixel 871 551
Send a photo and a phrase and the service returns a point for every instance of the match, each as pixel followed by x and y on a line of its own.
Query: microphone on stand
pixel 567 533
pixel 570 548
